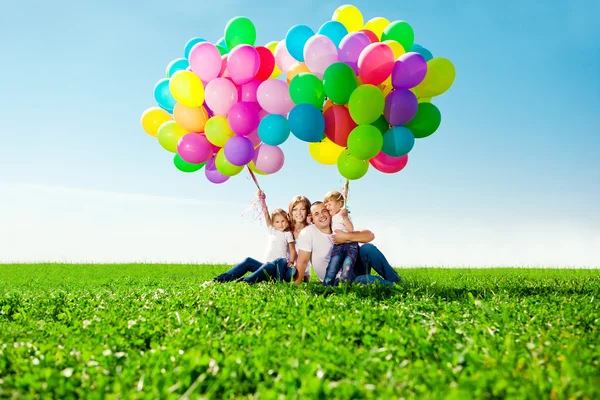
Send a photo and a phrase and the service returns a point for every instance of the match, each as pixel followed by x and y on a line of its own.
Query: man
pixel 315 243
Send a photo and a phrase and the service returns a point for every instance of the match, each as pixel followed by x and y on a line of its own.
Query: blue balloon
pixel 191 43
pixel 273 129
pixel 221 42
pixel 417 48
pixel 163 95
pixel 307 123
pixel 398 141
pixel 334 30
pixel 296 38
pixel 179 64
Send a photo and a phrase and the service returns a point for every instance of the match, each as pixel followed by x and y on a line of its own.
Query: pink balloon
pixel 205 61
pixel 375 63
pixel 388 164
pixel 319 53
pixel 268 159
pixel 247 92
pixel 262 113
pixel 243 118
pixel 220 94
pixel 214 149
pixel 254 138
pixel 243 63
pixel 223 66
pixel 194 148
pixel 274 96
pixel 212 174
pixel 283 58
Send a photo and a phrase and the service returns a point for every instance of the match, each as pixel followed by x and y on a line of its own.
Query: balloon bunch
pixel 359 94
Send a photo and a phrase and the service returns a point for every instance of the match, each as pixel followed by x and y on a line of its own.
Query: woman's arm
pixel 301 265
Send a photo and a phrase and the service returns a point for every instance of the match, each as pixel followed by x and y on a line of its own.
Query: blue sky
pixel 511 177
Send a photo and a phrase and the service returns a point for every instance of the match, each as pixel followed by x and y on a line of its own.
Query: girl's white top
pixel 278 245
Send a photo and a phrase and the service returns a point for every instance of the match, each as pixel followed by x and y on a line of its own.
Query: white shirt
pixel 278 245
pixel 319 244
pixel 337 222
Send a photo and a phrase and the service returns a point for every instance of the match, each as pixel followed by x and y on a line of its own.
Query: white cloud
pixel 49 223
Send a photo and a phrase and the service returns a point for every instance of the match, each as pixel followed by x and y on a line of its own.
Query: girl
pixel 280 253
pixel 343 256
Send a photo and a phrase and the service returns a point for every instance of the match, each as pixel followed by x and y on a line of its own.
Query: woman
pixel 278 269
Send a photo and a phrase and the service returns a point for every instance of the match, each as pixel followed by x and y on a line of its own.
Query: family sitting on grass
pixel 320 233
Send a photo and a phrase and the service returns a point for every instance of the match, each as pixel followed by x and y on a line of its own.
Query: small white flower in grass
pixel 120 354
pixel 67 372
pixel 370 386
pixel 86 323
pixel 35 361
pixel 530 346
pixel 320 374
pixel 180 352
pixel 106 353
pixel 131 323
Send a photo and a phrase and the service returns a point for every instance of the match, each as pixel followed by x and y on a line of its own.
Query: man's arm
pixel 364 236
pixel 301 265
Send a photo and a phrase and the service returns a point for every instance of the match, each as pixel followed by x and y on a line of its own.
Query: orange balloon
pixel 192 119
pixel 328 104
pixel 338 124
pixel 296 69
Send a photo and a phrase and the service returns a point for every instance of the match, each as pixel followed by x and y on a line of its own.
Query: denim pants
pixel 276 270
pixel 369 257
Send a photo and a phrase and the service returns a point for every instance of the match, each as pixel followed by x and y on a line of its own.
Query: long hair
pixel 293 203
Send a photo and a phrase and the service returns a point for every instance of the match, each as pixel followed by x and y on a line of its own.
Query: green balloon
pixel 364 142
pixel 185 166
pixel 221 49
pixel 224 166
pixel 401 32
pixel 426 121
pixel 339 82
pixel 306 88
pixel 239 30
pixel 351 167
pixel 381 124
pixel 366 104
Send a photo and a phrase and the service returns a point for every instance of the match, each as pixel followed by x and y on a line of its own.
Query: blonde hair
pixel 293 203
pixel 334 195
pixel 281 211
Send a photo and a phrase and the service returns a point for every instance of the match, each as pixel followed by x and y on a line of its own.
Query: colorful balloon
pixel 205 61
pixel 220 95
pixel 306 123
pixel 338 124
pixel 239 150
pixel 243 63
pixel 194 148
pixel 396 48
pixel 401 32
pixel 274 129
pixel 247 92
pixel 268 159
pixel 417 48
pixel 349 16
pixel 212 174
pixel 339 81
pixel 273 96
pixel 319 53
pixel 222 45
pixel 377 25
pixel 224 166
pixel 187 88
pixel 296 38
pixel 325 152
pixel 239 30
pixel 169 134
pixel 296 69
pixel 266 64
pixel 217 130
pixel 400 107
pixel 334 30
pixel 179 64
pixel 276 70
pixel 366 104
pixel 440 77
pixel 351 47
pixel 163 96
pixel 306 88
pixel 185 166
pixel 371 35
pixel 364 142
pixel 409 70
pixel 388 164
pixel 398 141
pixel 375 63
pixel 190 44
pixel 351 167
pixel 426 121
pixel 153 118
pixel 283 58
pixel 243 118
pixel 192 119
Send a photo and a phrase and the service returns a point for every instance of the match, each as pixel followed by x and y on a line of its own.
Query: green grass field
pixel 151 331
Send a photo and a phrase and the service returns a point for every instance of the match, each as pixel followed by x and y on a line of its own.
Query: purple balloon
pixel 239 150
pixel 350 48
pixel 409 70
pixel 243 118
pixel 212 174
pixel 400 107
pixel 194 148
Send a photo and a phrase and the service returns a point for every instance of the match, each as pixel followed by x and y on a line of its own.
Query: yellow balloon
pixel 217 130
pixel 439 78
pixel 276 71
pixel 396 48
pixel 153 118
pixel 224 166
pixel 350 17
pixel 191 118
pixel 254 169
pixel 377 25
pixel 169 134
pixel 187 88
pixel 325 152
pixel 425 100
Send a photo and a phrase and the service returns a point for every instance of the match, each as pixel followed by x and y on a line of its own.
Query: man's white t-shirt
pixel 337 222
pixel 278 245
pixel 311 239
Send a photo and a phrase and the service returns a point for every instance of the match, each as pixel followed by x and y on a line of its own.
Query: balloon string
pixel 345 193
pixel 257 205
pixel 254 178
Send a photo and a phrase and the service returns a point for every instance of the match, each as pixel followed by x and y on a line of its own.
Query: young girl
pixel 343 256
pixel 280 245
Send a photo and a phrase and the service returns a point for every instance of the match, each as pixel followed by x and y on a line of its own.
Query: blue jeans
pixel 369 257
pixel 343 257
pixel 276 270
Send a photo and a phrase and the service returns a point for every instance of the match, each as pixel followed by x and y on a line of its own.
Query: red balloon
pixel 388 164
pixel 338 124
pixel 267 63
pixel 371 35
pixel 375 63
